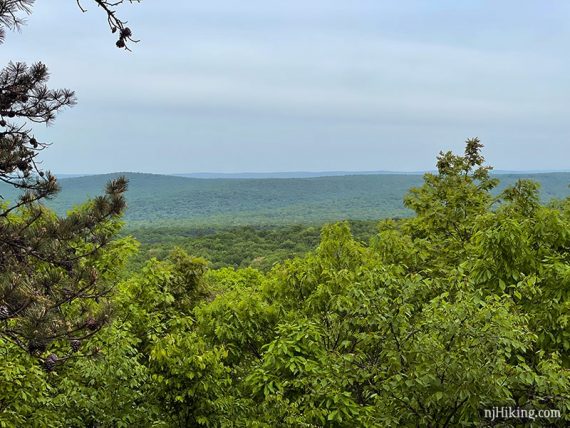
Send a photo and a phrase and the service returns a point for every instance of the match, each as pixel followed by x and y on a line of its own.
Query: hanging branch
pixel 115 23
pixel 13 12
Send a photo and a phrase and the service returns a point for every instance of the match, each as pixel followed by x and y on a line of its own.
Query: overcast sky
pixel 304 85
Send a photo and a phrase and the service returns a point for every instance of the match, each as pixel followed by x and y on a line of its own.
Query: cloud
pixel 313 77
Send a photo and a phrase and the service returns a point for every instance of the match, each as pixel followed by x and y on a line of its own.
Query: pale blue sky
pixel 309 85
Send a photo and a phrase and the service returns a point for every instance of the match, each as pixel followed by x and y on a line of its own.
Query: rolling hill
pixel 155 199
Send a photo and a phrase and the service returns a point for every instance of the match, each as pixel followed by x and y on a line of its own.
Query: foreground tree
pixel 54 270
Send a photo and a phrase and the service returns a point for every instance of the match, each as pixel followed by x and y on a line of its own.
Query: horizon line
pixel 206 174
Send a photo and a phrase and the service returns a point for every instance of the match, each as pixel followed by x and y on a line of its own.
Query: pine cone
pixel 22 165
pixel 36 346
pixel 126 32
pixel 75 345
pixel 4 312
pixel 50 362
pixel 92 324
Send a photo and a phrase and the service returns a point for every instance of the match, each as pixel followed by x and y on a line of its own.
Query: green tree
pixel 449 202
pixel 54 271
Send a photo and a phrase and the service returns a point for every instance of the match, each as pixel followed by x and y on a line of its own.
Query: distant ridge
pixel 72 175
pixel 308 174
pixel 290 174
pixel 294 174
pixel 160 199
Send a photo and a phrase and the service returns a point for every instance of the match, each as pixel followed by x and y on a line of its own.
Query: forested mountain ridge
pixel 224 202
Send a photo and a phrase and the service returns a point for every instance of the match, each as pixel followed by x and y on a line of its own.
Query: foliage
pixel 256 246
pixel 460 308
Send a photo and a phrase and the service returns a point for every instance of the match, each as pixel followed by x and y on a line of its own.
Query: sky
pixel 304 85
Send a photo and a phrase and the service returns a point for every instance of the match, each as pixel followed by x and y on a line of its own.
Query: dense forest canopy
pixel 460 308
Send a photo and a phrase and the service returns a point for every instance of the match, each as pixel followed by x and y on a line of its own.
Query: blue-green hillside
pixel 161 199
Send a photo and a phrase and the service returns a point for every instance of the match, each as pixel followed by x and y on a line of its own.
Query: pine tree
pixel 54 271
